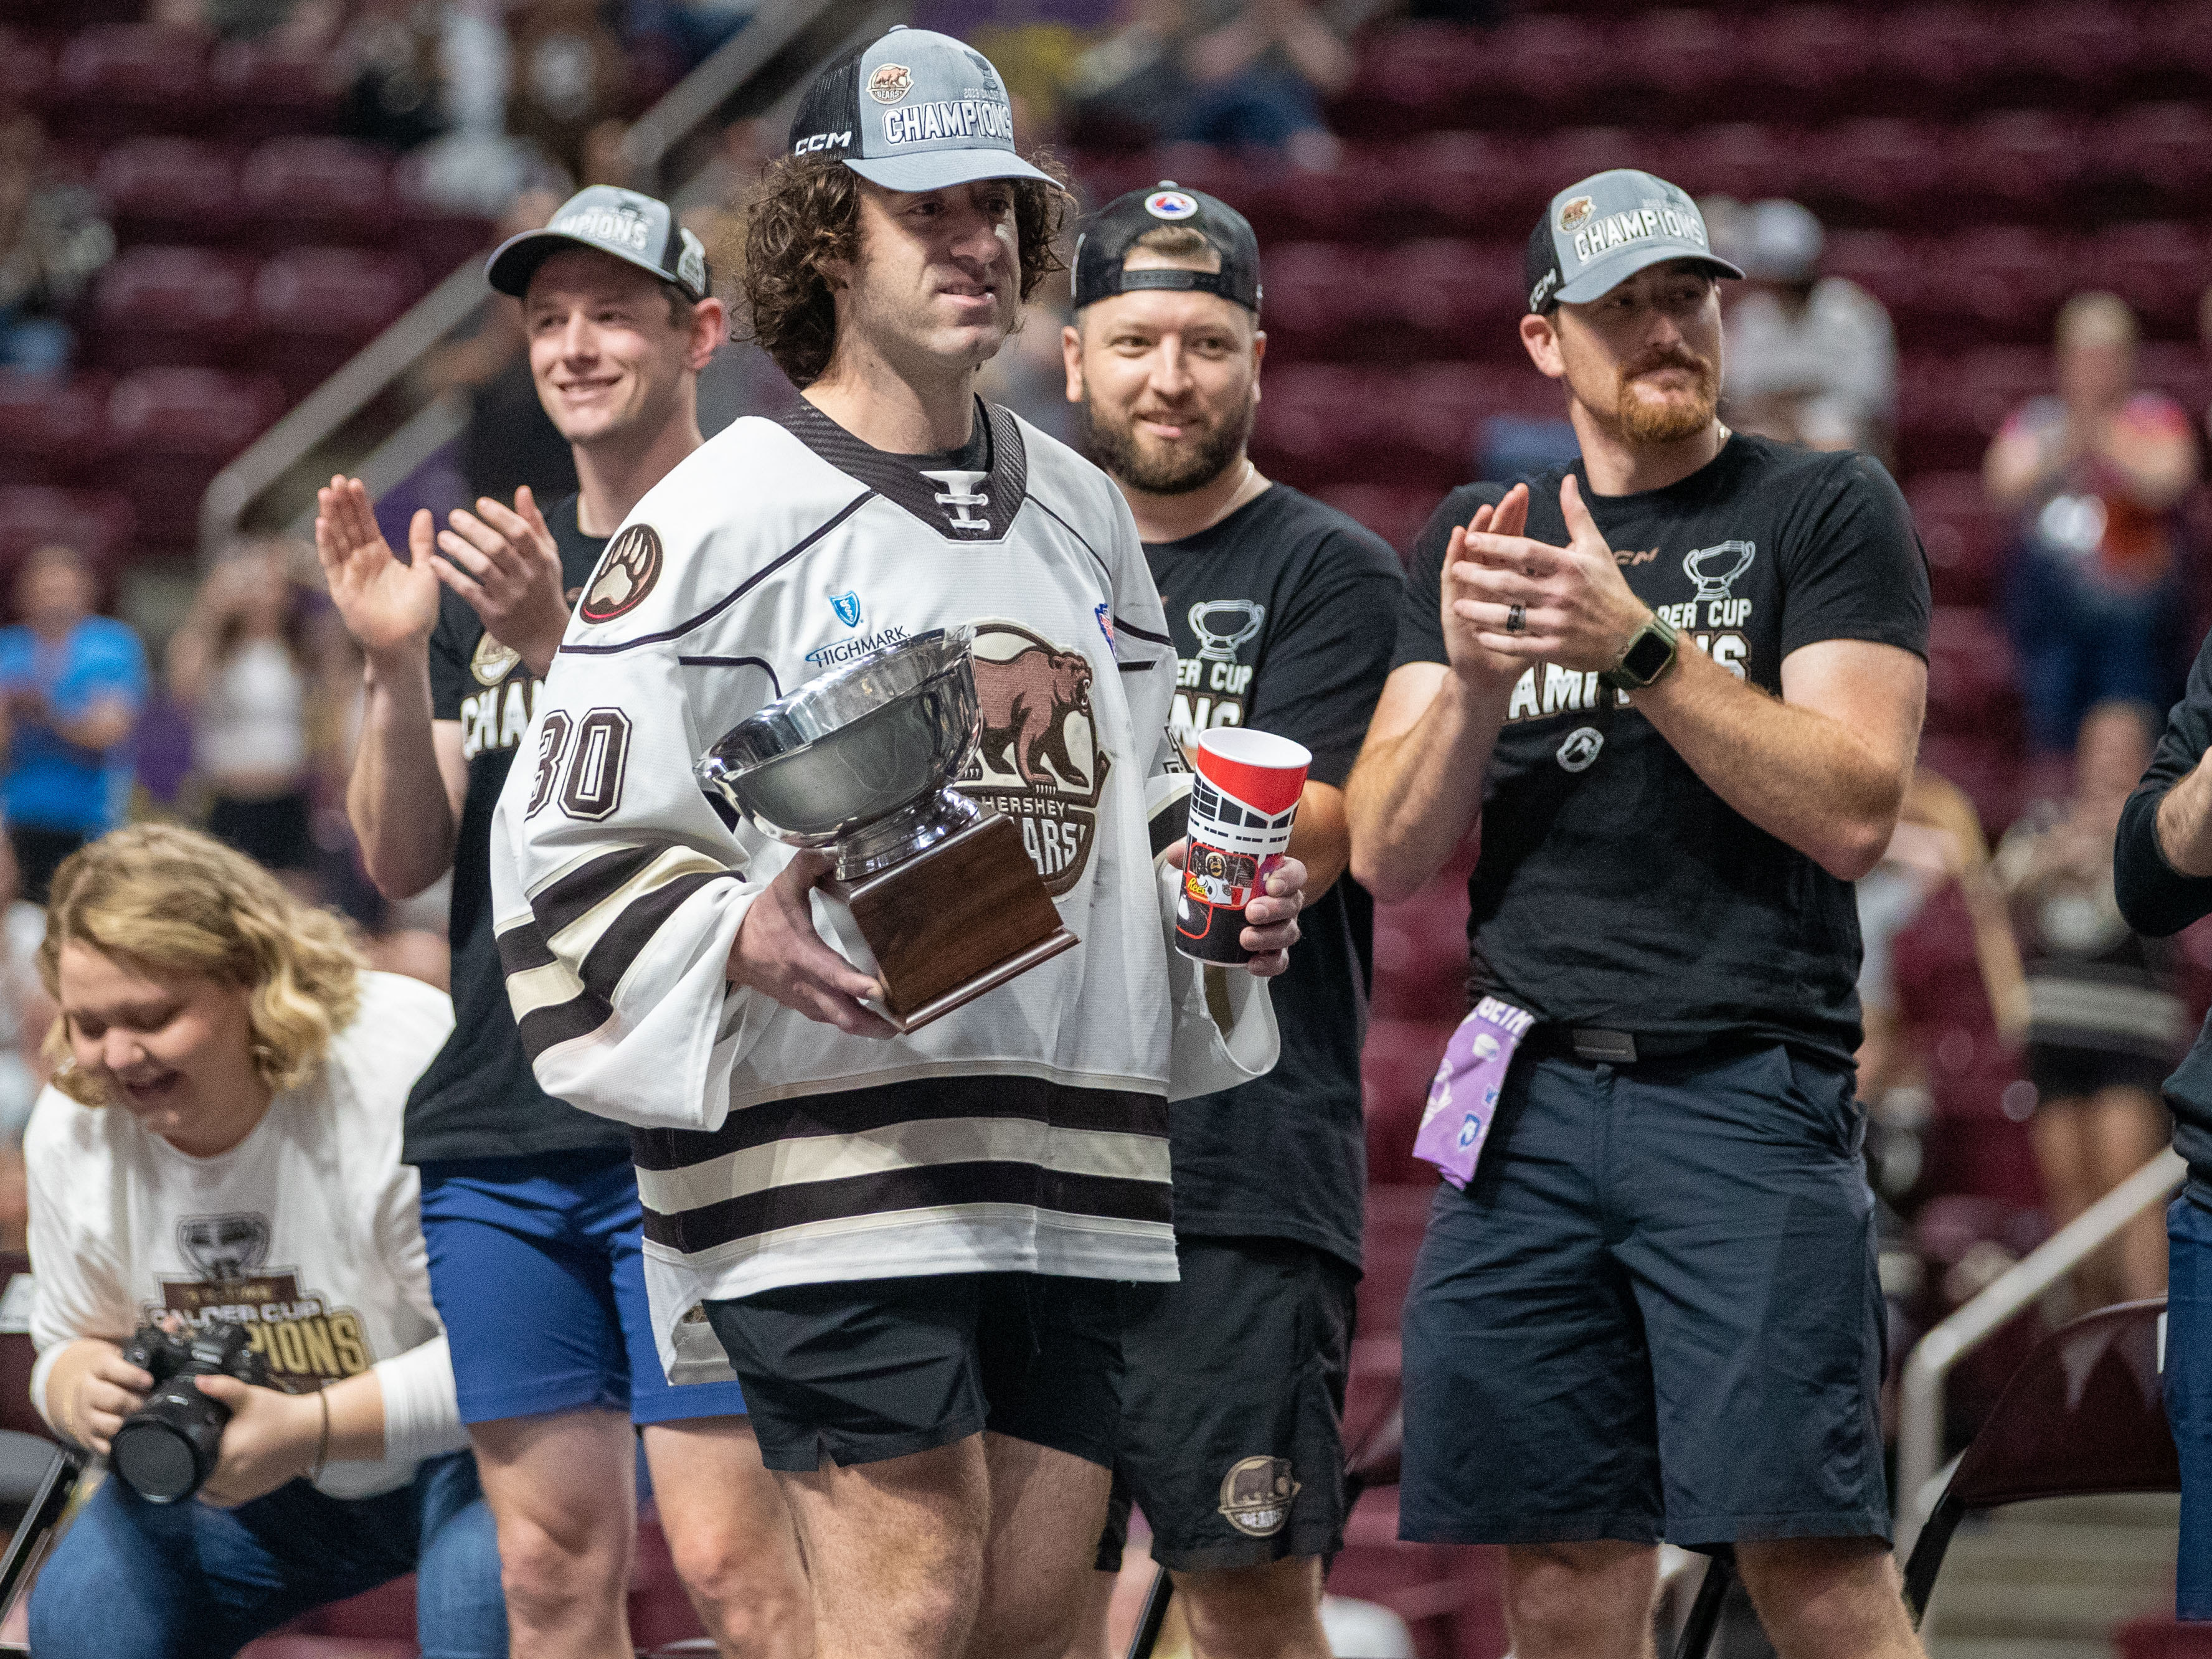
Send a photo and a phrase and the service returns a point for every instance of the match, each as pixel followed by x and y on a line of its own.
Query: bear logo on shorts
pixel 1256 1494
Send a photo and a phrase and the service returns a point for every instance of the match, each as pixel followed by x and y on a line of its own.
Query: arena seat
pixel 122 78
pixel 1895 269
pixel 2158 155
pixel 263 89
pixel 2084 1415
pixel 1878 170
pixel 1741 158
pixel 1395 1070
pixel 1965 537
pixel 2077 52
pixel 1474 183
pixel 49 432
pixel 173 430
pixel 318 188
pixel 1938 58
pixel 1449 295
pixel 30 66
pixel 168 305
pixel 163 189
pixel 2157 267
pixel 1410 77
pixel 1553 68
pixel 314 308
pixel 1673 53
pixel 1809 62
pixel 2002 281
pixel 1317 297
pixel 1394 513
pixel 2020 162
pixel 1950 407
pixel 1973 681
pixel 1324 418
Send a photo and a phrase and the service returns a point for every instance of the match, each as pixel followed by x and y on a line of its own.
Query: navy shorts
pixel 1655 1313
pixel 535 1266
pixel 2189 1395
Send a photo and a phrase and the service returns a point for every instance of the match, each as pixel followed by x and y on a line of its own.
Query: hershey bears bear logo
pixel 626 575
pixel 1039 761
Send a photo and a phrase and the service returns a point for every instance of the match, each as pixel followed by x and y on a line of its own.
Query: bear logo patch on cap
pixel 891 82
pixel 1170 205
pixel 1574 212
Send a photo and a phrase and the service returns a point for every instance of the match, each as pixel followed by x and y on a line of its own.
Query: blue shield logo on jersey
pixel 847 607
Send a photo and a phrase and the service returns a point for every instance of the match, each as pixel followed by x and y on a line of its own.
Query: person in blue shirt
pixel 71 684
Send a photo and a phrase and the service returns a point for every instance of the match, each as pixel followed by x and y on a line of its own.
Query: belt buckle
pixel 1599 1047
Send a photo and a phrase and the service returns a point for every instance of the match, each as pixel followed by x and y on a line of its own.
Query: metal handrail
pixel 373 370
pixel 1920 1406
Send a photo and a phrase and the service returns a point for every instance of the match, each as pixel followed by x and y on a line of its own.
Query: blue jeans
pixel 2189 1395
pixel 134 1580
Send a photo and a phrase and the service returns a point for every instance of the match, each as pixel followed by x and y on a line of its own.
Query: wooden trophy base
pixel 949 924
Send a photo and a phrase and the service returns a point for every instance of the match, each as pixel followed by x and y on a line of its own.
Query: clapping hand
pixel 506 564
pixel 1525 601
pixel 387 606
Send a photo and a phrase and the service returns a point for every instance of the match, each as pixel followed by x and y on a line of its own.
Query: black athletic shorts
pixel 865 1369
pixel 1232 1407
pixel 1654 1313
pixel 2065 1072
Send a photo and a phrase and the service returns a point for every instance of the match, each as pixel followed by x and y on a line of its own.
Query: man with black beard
pixel 1680 685
pixel 1282 611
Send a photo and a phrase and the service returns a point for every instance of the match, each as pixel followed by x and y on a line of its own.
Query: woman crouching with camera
pixel 215 1186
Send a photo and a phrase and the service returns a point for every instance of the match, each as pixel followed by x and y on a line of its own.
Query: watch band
pixel 1649 653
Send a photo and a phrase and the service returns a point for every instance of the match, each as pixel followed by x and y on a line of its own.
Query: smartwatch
pixel 1649 654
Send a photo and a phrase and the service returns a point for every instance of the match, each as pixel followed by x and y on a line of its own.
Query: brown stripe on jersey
pixel 523 947
pixel 564 1022
pixel 931 1186
pixel 629 933
pixel 861 1111
pixel 573 896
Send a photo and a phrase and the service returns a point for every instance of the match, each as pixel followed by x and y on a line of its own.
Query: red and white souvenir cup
pixel 1241 804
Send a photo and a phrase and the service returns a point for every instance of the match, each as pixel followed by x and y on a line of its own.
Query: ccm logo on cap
pixel 822 141
pixel 1170 205
pixel 1542 291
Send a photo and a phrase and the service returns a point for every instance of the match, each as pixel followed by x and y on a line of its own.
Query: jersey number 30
pixel 588 773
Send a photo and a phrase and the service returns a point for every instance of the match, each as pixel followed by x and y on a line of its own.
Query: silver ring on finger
pixel 1516 618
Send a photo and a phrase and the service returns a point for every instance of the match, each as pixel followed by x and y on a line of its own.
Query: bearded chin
pixel 1177 471
pixel 1668 420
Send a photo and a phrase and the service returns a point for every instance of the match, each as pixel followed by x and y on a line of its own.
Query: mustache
pixel 1668 357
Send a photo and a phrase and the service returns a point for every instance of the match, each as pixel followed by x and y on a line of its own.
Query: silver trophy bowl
pixel 859 759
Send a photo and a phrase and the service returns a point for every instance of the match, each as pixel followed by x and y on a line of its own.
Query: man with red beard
pixel 1680 684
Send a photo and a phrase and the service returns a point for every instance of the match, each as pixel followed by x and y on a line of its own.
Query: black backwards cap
pixel 915 111
pixel 606 219
pixel 1599 233
pixel 1103 250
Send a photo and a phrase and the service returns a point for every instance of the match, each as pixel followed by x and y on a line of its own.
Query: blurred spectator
pixel 1938 840
pixel 2105 1026
pixel 474 165
pixel 1030 375
pixel 1811 359
pixel 300 24
pixel 240 664
pixel 389 61
pixel 1237 73
pixel 2095 474
pixel 687 31
pixel 52 241
pixel 568 77
pixel 73 683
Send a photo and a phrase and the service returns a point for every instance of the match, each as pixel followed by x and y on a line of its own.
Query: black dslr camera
pixel 166 1450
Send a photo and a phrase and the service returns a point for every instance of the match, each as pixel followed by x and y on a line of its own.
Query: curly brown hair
pixel 805 212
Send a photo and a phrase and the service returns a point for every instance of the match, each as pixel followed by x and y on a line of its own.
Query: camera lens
pixel 166 1448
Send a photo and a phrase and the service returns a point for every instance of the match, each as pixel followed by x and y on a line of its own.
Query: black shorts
pixel 865 1369
pixel 2064 1071
pixel 1654 1313
pixel 1232 1407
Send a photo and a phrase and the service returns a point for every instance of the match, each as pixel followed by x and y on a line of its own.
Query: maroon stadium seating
pixel 169 306
pixel 173 430
pixel 314 308
pixel 262 89
pixel 1965 537
pixel 49 434
pixel 1811 63
pixel 123 78
pixel 319 189
pixel 97 523
pixel 164 189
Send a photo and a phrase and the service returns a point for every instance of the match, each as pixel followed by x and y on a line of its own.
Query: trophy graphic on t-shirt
pixel 1715 568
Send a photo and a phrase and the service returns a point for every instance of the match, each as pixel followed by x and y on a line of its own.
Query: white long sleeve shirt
pixel 308 1232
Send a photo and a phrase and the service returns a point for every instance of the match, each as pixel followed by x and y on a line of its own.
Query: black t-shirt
pixel 1283 615
pixel 1614 889
pixel 479 1097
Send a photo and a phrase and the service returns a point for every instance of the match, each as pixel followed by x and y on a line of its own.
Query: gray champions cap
pixel 606 219
pixel 1598 233
pixel 915 111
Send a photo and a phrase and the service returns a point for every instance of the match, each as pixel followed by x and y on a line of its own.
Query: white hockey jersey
pixel 1026 1131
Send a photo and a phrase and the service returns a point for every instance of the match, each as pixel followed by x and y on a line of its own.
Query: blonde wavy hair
pixel 173 900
